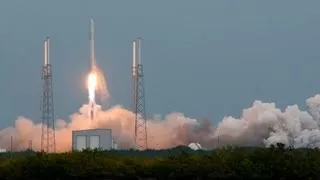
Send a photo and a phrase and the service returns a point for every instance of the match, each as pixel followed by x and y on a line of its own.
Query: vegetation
pixel 178 163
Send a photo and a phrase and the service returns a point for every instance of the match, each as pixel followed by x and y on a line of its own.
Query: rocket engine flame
pixel 101 84
pixel 92 84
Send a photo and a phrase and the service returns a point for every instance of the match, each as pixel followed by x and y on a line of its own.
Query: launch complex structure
pixel 48 141
pixel 139 110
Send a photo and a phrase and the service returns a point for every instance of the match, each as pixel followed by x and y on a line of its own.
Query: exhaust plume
pixel 260 125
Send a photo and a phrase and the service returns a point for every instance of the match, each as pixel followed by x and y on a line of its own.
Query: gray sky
pixel 207 59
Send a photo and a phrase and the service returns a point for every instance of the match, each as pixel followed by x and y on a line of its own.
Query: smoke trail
pixel 260 125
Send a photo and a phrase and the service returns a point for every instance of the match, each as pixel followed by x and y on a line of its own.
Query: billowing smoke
pixel 260 125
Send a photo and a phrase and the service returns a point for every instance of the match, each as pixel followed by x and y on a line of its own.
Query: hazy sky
pixel 206 59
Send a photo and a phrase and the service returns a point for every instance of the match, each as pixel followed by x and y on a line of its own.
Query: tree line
pixel 276 162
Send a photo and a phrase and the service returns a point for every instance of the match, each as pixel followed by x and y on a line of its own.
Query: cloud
pixel 263 124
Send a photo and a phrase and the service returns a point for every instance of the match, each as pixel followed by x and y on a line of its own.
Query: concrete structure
pixel 91 139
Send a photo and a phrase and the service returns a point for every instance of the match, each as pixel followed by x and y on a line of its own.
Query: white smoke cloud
pixel 263 124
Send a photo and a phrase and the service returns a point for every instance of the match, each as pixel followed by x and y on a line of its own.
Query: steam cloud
pixel 260 125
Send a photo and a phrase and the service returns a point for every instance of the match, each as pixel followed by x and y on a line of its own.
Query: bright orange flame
pixel 101 84
pixel 92 84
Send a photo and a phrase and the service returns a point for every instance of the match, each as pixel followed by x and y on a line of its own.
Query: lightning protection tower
pixel 48 142
pixel 139 97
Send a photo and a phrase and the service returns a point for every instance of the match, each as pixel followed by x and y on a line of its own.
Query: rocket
pixel 100 87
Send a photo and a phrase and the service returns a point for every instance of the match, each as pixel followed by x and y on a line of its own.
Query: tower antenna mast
pixel 48 142
pixel 139 97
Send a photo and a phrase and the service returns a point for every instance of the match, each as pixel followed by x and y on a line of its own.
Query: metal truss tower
pixel 48 142
pixel 139 98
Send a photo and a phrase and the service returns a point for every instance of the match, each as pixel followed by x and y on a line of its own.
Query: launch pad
pixel 97 86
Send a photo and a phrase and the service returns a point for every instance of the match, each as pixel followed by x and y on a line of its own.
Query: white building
pixel 91 139
pixel 3 150
pixel 195 146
